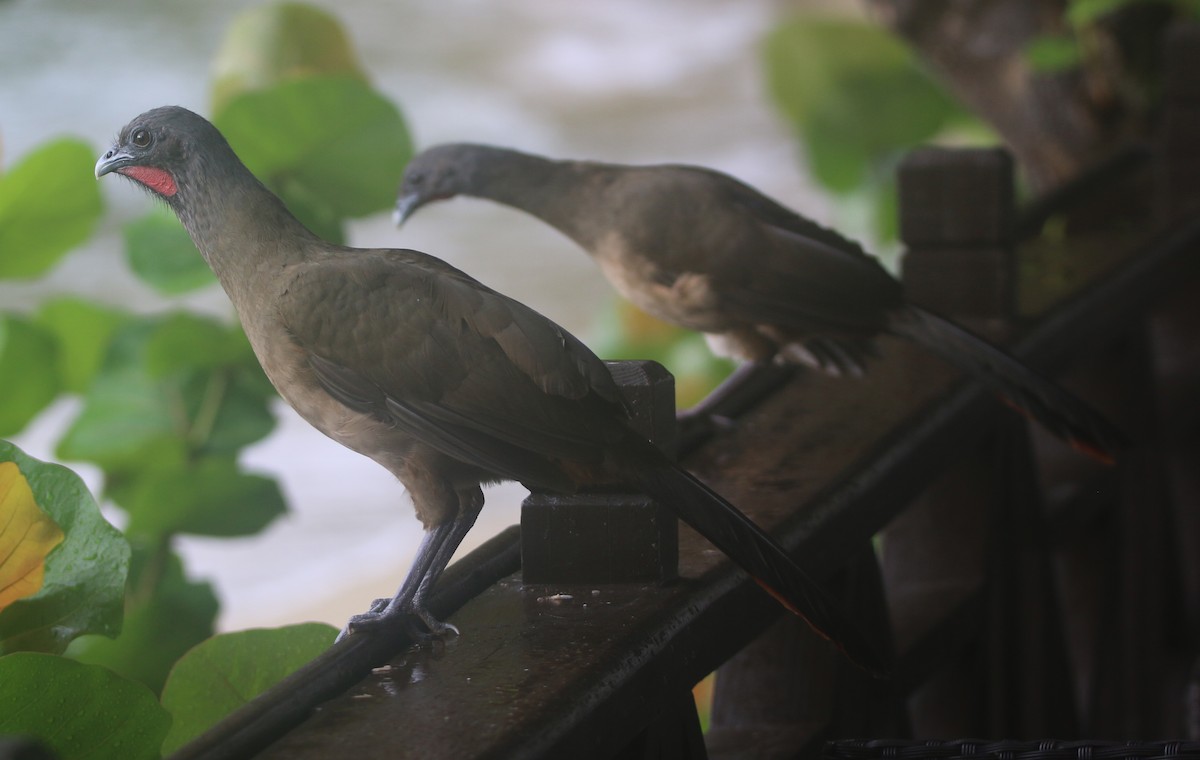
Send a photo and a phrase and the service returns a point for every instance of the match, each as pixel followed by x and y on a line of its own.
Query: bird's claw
pixel 698 424
pixel 417 621
pixel 377 606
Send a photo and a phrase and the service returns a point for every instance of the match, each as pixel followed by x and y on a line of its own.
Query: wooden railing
pixel 1024 591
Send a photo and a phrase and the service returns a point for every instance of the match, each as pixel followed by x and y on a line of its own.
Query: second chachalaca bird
pixel 446 383
pixel 702 250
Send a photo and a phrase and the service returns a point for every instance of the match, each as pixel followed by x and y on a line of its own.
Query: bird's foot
pixel 709 421
pixel 414 618
pixel 697 424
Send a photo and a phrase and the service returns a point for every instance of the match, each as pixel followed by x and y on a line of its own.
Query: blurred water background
pixel 623 80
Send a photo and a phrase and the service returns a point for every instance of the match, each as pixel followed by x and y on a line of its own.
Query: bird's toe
pixel 418 622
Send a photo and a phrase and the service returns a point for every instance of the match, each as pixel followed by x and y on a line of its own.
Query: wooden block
pixel 956 217
pixel 1178 165
pixel 956 197
pixel 597 538
pixel 968 285
pixel 607 536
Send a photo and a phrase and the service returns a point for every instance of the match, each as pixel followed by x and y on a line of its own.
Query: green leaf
pixel 79 711
pixel 186 341
pixel 624 331
pixel 1083 12
pixel 83 590
pixel 841 165
pixel 886 216
pixel 227 671
pixel 171 390
pixel 274 43
pixel 83 330
pixel 168 615
pixel 335 138
pixel 855 94
pixel 1049 54
pixel 221 386
pixel 315 211
pixel 243 416
pixel 28 372
pixel 161 253
pixel 49 203
pixel 210 498
pixel 128 420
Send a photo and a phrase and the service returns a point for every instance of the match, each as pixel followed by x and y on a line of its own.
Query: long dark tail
pixel 1060 412
pixel 757 553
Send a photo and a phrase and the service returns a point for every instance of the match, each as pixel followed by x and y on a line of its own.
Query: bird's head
pixel 436 174
pixel 159 149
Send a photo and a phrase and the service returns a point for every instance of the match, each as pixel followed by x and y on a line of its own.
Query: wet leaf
pixel 83 330
pixel 29 373
pixel 27 535
pixel 278 42
pixel 227 671
pixel 49 203
pixel 332 141
pixel 161 253
pixel 83 589
pixel 79 711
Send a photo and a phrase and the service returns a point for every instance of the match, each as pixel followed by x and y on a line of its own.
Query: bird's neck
pixel 244 232
pixel 553 191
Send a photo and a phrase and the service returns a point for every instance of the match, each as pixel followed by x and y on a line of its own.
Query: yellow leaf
pixel 27 535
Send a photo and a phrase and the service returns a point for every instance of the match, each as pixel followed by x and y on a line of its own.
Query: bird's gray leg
pixel 748 384
pixel 378 613
pixel 470 505
pixel 434 553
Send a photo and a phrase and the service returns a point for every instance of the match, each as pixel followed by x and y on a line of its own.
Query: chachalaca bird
pixel 702 250
pixel 446 383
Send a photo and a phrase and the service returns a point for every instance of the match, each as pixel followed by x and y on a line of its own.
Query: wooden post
pixel 1151 607
pixel 675 735
pixel 956 209
pixel 1176 322
pixel 789 689
pixel 968 536
pixel 609 536
pixel 1131 563
pixel 1178 166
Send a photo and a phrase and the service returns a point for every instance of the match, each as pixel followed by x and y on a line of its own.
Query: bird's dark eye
pixel 140 137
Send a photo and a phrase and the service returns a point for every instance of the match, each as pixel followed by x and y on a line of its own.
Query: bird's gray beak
pixel 405 206
pixel 112 160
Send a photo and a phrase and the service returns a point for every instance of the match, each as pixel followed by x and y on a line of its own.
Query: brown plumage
pixel 702 250
pixel 411 362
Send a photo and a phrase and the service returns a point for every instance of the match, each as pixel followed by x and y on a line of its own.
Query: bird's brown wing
pixel 471 372
pixel 786 270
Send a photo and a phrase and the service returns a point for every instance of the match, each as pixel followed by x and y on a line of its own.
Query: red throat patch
pixel 158 180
